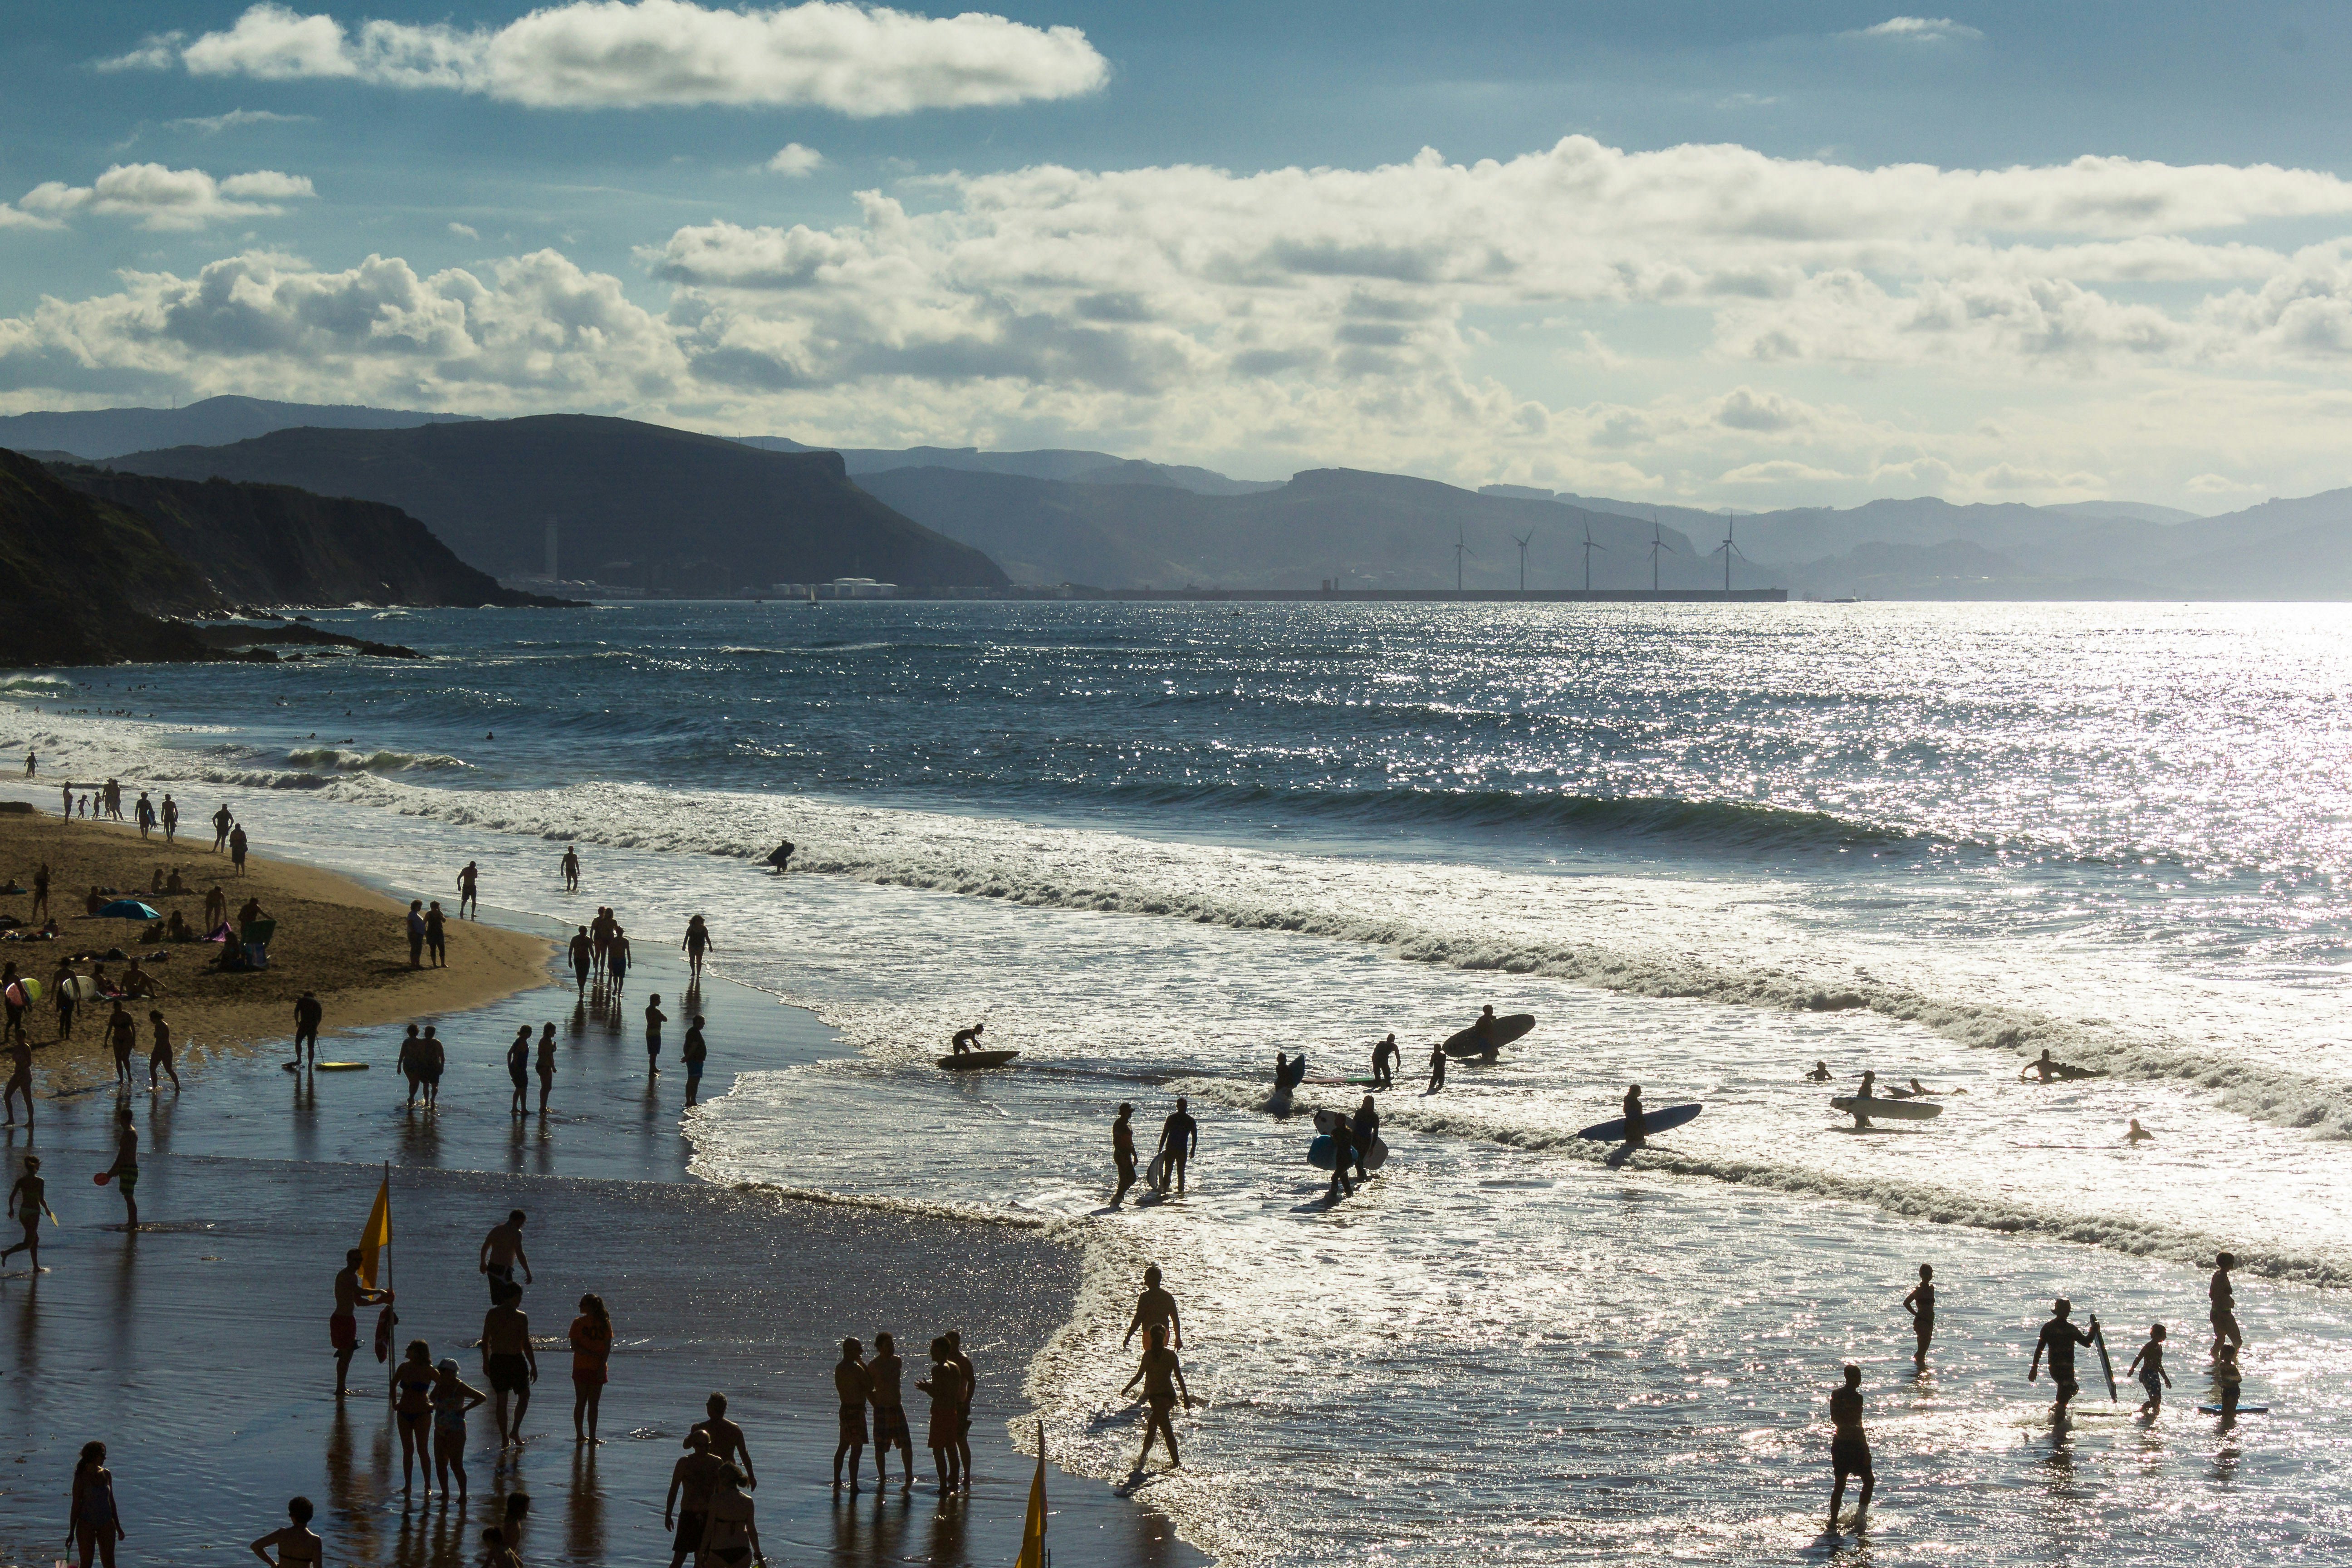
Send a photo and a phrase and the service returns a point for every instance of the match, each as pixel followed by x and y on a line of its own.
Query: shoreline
pixel 246 1209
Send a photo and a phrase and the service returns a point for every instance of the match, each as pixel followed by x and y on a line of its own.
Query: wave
pixel 344 762
pixel 36 685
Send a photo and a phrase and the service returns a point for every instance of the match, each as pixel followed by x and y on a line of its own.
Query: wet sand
pixel 197 1347
pixel 344 940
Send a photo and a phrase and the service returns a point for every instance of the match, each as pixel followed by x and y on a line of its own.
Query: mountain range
pixel 98 432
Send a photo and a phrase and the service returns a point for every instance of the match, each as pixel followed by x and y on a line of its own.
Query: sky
pixel 1729 255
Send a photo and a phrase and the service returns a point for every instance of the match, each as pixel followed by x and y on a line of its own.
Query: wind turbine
pixel 1588 548
pixel 1523 539
pixel 1728 550
pixel 1657 542
pixel 1461 548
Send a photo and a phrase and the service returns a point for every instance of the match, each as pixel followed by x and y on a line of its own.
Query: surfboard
pixel 327 1066
pixel 1892 1110
pixel 2242 1410
pixel 2107 1366
pixel 1508 1027
pixel 1320 1153
pixel 1653 1120
pixel 971 1060
pixel 1345 1082
pixel 1156 1172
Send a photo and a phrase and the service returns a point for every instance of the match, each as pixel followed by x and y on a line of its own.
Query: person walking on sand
pixel 435 1059
pixel 508 1363
pixel 143 813
pixel 453 1397
pixel 171 818
pixel 698 943
pixel 469 887
pixel 2058 1339
pixel 40 892
pixel 855 1384
pixel 571 868
pixel 723 1438
pixel 411 1062
pixel 28 1200
pixel 307 1015
pixel 1437 1069
pixel 237 843
pixel 2149 1367
pixel 344 1328
pixel 1921 1304
pixel 1179 1140
pixel 945 1386
pixel 95 1523
pixel 20 1081
pixel 297 1545
pixel 694 1053
pixel 415 934
pixel 546 1066
pixel 502 1251
pixel 413 1382
pixel 654 1019
pixel 519 1071
pixel 592 1354
pixel 582 953
pixel 689 1483
pixel 1154 1309
pixel 122 1036
pixel 159 1052
pixel 124 1171
pixel 883 1373
pixel 222 823
pixel 2223 1313
pixel 1122 1150
pixel 600 939
pixel 1162 1376
pixel 436 935
pixel 1849 1448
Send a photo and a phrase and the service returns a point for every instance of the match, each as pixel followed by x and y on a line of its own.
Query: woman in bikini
pixel 452 1398
pixel 729 1535
pixel 592 1348
pixel 96 1525
pixel 298 1545
pixel 413 1382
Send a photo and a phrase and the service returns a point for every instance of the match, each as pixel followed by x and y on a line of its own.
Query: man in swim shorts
pixel 509 1361
pixel 691 1482
pixel 502 1250
pixel 307 1015
pixel 1122 1149
pixel 28 1200
pixel 2058 1338
pixel 855 1384
pixel 1155 1309
pixel 654 1019
pixel 1849 1450
pixel 890 1428
pixel 344 1328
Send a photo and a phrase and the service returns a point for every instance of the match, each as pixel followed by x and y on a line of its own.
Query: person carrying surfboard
pixel 1344 1153
pixel 2058 1339
pixel 1365 1127
pixel 1637 1125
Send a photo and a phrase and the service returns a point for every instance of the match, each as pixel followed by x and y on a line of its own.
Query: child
pixel 452 1398
pixel 2226 1377
pixel 2150 1365
pixel 496 1552
pixel 298 1545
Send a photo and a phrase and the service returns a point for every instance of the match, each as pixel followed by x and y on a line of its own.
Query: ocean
pixel 1707 845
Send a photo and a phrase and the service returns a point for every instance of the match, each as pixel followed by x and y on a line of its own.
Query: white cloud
pixel 213 124
pixel 855 59
pixel 156 51
pixel 793 161
pixel 1918 30
pixel 164 198
pixel 1781 471
pixel 465 231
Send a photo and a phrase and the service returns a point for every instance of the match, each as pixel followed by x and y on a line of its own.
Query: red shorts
pixel 345 1329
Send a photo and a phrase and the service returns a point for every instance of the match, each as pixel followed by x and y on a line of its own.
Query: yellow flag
pixel 378 1233
pixel 1032 1534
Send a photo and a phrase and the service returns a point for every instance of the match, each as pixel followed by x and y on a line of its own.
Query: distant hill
pixel 271 544
pixel 89 582
pixel 215 422
pixel 1380 530
pixel 1090 468
pixel 634 504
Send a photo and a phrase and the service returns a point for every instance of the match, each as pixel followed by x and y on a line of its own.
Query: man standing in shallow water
pixel 2058 1338
pixel 501 1250
pixel 344 1328
pixel 1849 1450
pixel 509 1361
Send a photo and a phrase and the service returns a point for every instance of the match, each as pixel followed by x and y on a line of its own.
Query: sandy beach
pixel 197 1347
pixel 335 937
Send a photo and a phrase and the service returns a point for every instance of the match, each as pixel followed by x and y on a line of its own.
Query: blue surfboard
pixel 1656 1121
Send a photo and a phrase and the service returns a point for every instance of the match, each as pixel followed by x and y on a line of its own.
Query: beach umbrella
pixel 127 909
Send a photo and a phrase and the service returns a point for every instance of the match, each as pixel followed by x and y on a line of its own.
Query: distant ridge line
pixel 1381 596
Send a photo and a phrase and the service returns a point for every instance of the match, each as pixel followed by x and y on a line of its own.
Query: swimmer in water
pixel 2138 1134
pixel 1820 1073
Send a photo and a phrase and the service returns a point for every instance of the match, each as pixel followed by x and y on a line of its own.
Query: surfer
pixel 1869 1086
pixel 1483 1028
pixel 1820 1073
pixel 1365 1127
pixel 1344 1153
pixel 469 884
pixel 1179 1140
pixel 2224 1313
pixel 1637 1124
pixel 2138 1134
pixel 2148 1366
pixel 1921 1304
pixel 1162 1376
pixel 1436 1067
pixel 344 1328
pixel 855 1384
pixel 780 857
pixel 2048 1071
pixel 1385 1058
pixel 1155 1309
pixel 965 1041
pixel 1849 1448
pixel 307 1015
pixel 2059 1337
pixel 654 1019
pixel 1281 1072
pixel 1122 1153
